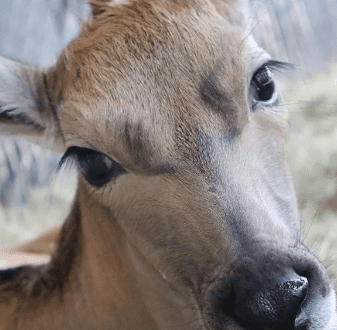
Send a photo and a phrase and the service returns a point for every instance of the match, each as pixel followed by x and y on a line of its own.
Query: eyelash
pixel 263 87
pixel 97 168
pixel 68 156
pixel 278 66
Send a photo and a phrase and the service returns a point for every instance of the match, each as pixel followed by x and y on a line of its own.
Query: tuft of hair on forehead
pixel 99 6
pixel 236 11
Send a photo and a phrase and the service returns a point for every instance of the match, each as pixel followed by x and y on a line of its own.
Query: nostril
pixel 279 304
pixel 297 288
pixel 289 297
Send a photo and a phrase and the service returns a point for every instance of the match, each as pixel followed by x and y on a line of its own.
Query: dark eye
pixel 96 167
pixel 263 86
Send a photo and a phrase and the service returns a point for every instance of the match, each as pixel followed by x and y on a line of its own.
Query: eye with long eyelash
pixel 97 168
pixel 274 65
pixel 263 86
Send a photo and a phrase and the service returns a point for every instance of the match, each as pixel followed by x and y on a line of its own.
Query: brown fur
pixel 163 88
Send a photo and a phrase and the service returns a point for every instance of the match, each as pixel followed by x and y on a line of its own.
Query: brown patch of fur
pixel 136 38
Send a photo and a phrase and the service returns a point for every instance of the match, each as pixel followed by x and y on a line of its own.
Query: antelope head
pixel 185 214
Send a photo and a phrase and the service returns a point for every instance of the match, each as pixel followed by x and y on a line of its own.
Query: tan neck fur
pixel 96 278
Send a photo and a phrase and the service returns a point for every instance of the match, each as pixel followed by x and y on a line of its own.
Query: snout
pixel 274 304
pixel 273 291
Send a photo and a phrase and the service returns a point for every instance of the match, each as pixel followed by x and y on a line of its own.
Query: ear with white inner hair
pixel 27 106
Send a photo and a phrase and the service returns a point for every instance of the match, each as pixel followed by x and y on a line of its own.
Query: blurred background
pixel 34 196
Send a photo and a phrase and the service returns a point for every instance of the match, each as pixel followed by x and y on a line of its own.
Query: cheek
pixel 134 200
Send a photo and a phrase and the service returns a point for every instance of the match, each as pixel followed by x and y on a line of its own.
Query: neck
pixel 96 279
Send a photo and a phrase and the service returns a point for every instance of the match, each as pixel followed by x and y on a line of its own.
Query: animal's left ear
pixel 27 106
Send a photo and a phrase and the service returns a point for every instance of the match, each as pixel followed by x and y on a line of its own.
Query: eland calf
pixel 185 215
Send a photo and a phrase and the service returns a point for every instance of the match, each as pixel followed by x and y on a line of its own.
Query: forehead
pixel 152 74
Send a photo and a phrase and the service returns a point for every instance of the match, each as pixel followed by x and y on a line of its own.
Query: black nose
pixel 273 292
pixel 277 304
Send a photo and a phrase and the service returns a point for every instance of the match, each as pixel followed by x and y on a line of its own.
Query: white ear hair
pixel 25 106
pixel 14 94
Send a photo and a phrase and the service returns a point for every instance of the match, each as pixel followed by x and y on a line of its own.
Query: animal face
pixel 172 115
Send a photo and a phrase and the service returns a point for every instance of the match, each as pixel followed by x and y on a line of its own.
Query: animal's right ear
pixel 235 11
pixel 99 6
pixel 27 106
